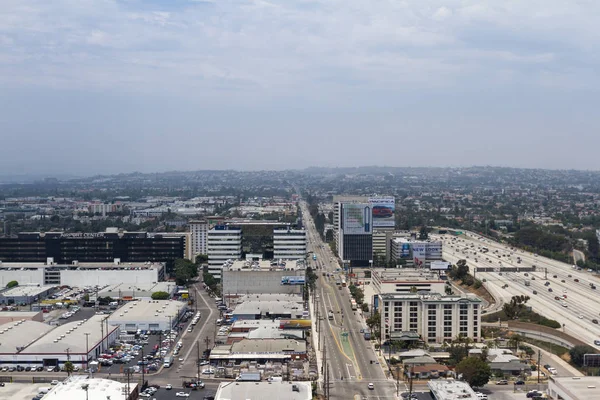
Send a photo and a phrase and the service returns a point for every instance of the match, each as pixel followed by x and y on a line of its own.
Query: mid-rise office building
pixel 432 317
pixel 355 234
pixel 289 244
pixel 65 248
pixel 419 251
pixel 199 237
pixel 224 243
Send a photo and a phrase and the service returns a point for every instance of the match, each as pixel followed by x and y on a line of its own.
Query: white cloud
pixel 270 47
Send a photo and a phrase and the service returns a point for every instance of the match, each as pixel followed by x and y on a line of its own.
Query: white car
pixel 54 382
pixel 204 363
pixel 50 369
pixel 182 394
pixel 169 386
pixel 371 386
pixel 208 371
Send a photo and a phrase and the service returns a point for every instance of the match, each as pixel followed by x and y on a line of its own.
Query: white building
pixel 258 390
pixel 255 277
pixel 224 244
pixel 449 389
pixel 148 315
pixel 35 343
pixel 82 388
pixel 289 244
pixel 25 294
pixel 199 236
pixel 127 291
pixel 82 274
pixel 574 388
pixel 435 318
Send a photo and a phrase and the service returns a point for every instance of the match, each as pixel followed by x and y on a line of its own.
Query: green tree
pixel 12 284
pixel 160 295
pixel 475 371
pixel 185 270
pixel 577 353
pixel 423 233
pixel 69 368
pixel 201 259
pixel 374 323
pixel 516 305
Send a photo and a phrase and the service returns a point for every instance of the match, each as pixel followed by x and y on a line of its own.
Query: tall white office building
pixel 199 236
pixel 289 244
pixel 224 244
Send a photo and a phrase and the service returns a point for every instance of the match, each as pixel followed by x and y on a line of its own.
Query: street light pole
pixel 87 350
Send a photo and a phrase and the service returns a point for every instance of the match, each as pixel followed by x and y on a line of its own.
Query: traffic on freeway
pixel 557 290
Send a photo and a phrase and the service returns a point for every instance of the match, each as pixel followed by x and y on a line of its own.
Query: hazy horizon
pixel 106 87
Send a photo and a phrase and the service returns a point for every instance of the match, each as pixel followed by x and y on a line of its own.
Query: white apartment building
pixel 224 244
pixel 289 244
pixel 199 233
pixel 435 318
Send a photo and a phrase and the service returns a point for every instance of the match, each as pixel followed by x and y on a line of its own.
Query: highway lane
pixel 349 357
pixel 581 298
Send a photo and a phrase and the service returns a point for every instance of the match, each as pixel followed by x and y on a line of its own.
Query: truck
pixel 367 334
pixel 330 317
pixel 167 362
pixel 353 304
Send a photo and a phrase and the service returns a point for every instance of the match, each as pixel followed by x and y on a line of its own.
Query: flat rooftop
pixel 71 335
pixel 431 297
pixel 269 265
pixel 406 274
pixel 449 389
pixel 19 334
pixel 30 291
pixel 82 266
pixel 270 297
pixel 584 387
pixel 136 290
pixel 254 307
pixel 97 389
pixel 258 390
pixel 146 310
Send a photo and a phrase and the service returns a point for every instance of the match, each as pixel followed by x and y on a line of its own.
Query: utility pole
pixel 410 381
pixel 538 364
pixel 87 350
pixel 198 361
pixel 143 366
pixel 325 374
pixel 397 380
pixel 68 360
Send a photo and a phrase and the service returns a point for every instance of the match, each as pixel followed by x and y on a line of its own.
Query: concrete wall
pixel 81 278
pixel 23 277
pixel 255 282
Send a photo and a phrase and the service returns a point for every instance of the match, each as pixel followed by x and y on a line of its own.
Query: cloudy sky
pixel 102 86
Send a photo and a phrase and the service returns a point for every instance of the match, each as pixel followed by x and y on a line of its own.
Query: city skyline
pixel 117 86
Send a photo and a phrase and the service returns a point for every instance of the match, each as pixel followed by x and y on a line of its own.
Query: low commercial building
pixel 25 294
pixel 128 291
pixel 264 329
pixel 449 389
pixel 257 309
pixel 258 390
pixel 504 363
pixel 82 274
pixel 81 388
pixel 260 350
pixel 250 277
pixel 574 388
pixel 38 344
pixel 148 315
pixel 432 317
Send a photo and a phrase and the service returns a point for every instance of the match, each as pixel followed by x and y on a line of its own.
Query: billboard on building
pixel 356 219
pixel 419 252
pixel 434 250
pixel 405 251
pixel 440 265
pixel 383 210
pixel 292 280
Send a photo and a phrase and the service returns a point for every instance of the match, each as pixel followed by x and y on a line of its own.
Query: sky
pixel 110 86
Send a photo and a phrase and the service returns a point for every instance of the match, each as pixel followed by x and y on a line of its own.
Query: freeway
pixel 556 290
pixel 352 361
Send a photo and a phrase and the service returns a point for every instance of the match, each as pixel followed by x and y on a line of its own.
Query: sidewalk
pixel 315 341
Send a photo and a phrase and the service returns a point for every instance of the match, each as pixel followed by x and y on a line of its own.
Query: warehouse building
pixel 449 389
pixel 148 315
pixel 37 344
pixel 16 316
pixel 269 309
pixel 25 294
pixel 574 388
pixel 260 350
pixel 128 291
pixel 82 274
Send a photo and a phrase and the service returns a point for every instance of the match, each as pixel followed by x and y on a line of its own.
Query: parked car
pixel 519 382
pixel 502 382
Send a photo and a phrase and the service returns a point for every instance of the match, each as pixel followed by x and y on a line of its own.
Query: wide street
pixel 577 312
pixel 352 360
